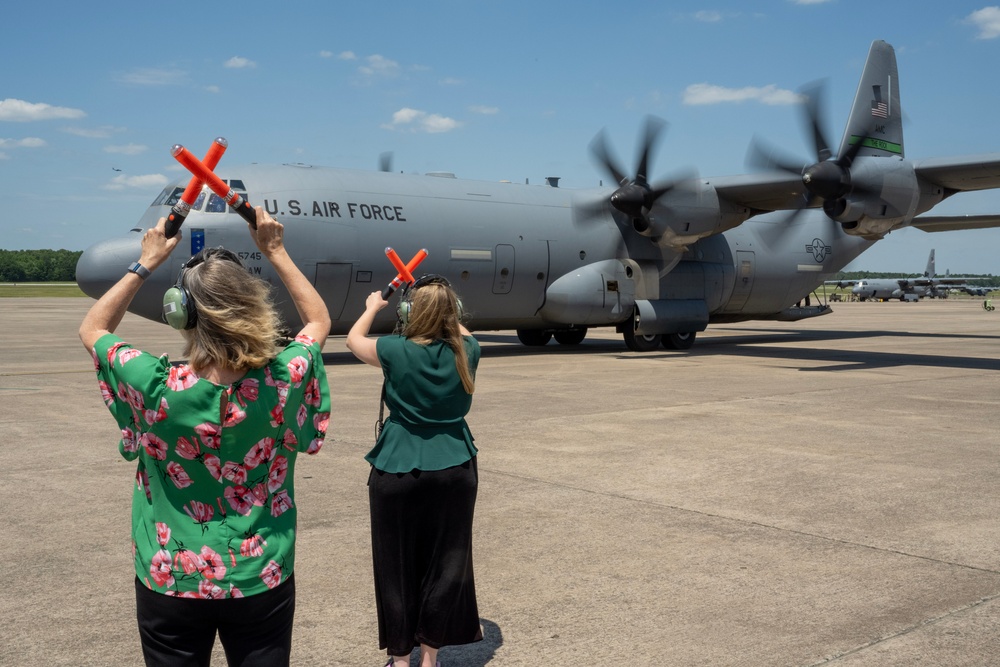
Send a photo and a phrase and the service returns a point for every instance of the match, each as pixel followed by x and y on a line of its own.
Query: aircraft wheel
pixel 571 336
pixel 638 343
pixel 533 337
pixel 679 341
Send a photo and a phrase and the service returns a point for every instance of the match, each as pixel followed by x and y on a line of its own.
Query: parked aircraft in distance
pixel 658 261
pixel 904 289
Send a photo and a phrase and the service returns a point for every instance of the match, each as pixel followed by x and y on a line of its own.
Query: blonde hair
pixel 237 326
pixel 434 316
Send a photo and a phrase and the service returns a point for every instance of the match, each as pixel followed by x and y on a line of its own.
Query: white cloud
pixel 810 2
pixel 414 120
pixel 27 142
pixel 127 149
pixel 239 62
pixel 93 133
pixel 148 76
pixel 149 181
pixel 451 81
pixel 704 93
pixel 347 55
pixel 486 111
pixel 379 65
pixel 708 16
pixel 213 89
pixel 19 111
pixel 987 20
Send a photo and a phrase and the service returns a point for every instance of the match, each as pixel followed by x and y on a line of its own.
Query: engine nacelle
pixel 688 213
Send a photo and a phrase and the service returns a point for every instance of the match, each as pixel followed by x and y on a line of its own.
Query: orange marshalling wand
pixel 181 209
pixel 215 184
pixel 405 274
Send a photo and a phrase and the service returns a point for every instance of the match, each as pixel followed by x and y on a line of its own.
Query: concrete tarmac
pixel 812 493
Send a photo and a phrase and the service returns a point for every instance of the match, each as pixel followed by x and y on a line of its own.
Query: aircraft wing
pixel 948 223
pixel 771 191
pixel 961 174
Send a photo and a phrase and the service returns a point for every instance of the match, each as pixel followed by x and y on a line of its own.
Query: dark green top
pixel 426 428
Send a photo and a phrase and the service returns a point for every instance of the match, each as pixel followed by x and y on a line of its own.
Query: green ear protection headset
pixel 406 298
pixel 179 310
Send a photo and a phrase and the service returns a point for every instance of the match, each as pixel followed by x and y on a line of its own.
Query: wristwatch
pixel 139 270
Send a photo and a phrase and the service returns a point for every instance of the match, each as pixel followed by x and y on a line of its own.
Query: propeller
pixel 828 180
pixel 634 197
pixel 385 161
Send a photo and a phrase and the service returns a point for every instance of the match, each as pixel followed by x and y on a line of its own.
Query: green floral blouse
pixel 213 512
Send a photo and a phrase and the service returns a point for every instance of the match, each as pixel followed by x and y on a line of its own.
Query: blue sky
pixel 488 90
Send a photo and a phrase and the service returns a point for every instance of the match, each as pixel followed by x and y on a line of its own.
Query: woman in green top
pixel 423 481
pixel 215 440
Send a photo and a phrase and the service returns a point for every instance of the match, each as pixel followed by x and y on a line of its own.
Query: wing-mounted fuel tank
pixel 595 294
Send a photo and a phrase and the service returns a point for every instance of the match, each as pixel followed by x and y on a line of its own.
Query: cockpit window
pixel 168 197
pixel 215 204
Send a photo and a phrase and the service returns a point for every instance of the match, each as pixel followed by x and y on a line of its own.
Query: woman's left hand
pixel 375 302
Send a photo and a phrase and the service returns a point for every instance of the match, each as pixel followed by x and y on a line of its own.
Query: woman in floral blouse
pixel 215 441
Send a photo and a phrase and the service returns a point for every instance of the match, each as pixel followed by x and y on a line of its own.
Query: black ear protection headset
pixel 405 306
pixel 179 310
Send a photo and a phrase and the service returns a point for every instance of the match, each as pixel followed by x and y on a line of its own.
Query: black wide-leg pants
pixel 421 524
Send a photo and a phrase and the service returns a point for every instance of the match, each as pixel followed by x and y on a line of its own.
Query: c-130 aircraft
pixel 658 262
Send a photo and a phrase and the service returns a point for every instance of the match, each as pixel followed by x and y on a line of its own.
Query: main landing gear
pixel 539 337
pixel 650 342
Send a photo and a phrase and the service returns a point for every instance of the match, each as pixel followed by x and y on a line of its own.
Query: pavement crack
pixel 927 622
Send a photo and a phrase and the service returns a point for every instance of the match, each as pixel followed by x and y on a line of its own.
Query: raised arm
pixel 105 315
pixel 269 237
pixel 358 341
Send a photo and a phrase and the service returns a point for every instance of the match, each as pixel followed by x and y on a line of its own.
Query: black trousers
pixel 255 631
pixel 425 592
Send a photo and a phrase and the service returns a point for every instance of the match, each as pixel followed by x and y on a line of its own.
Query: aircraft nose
pixel 103 264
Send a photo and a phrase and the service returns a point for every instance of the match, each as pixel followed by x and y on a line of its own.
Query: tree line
pixel 38 266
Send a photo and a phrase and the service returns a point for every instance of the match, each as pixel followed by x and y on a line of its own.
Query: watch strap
pixel 139 270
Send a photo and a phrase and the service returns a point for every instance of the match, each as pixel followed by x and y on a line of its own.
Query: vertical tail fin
pixel 929 272
pixel 876 118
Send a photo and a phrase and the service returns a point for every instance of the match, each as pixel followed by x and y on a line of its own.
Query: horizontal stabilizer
pixel 949 223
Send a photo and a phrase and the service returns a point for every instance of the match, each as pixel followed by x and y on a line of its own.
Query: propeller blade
pixel 813 94
pixel 385 161
pixel 764 157
pixel 599 149
pixel 654 127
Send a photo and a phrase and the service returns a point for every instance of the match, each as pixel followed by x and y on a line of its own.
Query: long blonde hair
pixel 237 326
pixel 434 316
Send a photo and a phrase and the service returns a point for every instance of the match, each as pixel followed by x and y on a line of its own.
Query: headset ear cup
pixel 403 310
pixel 175 311
pixel 461 310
